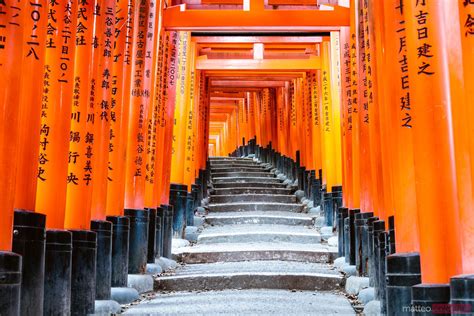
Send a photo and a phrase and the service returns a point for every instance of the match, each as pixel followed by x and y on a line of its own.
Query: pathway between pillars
pixel 256 253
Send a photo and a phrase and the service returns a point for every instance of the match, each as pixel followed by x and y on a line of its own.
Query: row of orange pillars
pixel 108 117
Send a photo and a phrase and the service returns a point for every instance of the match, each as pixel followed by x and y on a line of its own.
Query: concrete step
pixel 256 168
pixel 233 174
pixel 245 179
pixel 259 217
pixel 242 233
pixel 253 198
pixel 237 163
pixel 234 252
pixel 254 184
pixel 249 190
pixel 217 158
pixel 256 206
pixel 244 302
pixel 252 275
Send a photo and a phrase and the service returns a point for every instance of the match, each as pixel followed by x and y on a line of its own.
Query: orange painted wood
pixel 119 111
pixel 346 117
pixel 152 52
pixel 31 94
pixel 353 119
pixel 58 85
pixel 171 74
pixel 257 18
pixel 465 140
pixel 11 32
pixel 435 176
pixel 139 100
pixel 82 135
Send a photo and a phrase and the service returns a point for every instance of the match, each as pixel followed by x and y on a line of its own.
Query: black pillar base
pixel 29 240
pixel 189 209
pixel 160 225
pixel 57 272
pixel 341 215
pixel 84 251
pixel 362 242
pixel 178 195
pixel 168 230
pixel 10 274
pixel 120 242
pixel 352 248
pixel 370 233
pixel 403 272
pixel 462 294
pixel 430 299
pixel 151 254
pixel 138 242
pixel 103 273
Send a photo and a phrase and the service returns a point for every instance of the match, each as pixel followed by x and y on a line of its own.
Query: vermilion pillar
pixel 81 140
pixel 10 66
pixel 398 117
pixel 435 178
pixel 139 100
pixel 103 104
pixel 58 85
pixel 31 93
pixel 465 110
pixel 119 110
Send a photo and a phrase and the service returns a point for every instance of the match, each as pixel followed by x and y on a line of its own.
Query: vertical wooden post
pixel 438 205
pixel 81 139
pixel 11 45
pixel 58 85
pixel 139 99
pixel 31 93
pixel 119 111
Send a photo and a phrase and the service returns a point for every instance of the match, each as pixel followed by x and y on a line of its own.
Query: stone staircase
pixel 256 240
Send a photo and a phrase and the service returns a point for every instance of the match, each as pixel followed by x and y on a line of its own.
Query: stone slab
pixel 207 253
pixel 245 179
pixel 249 184
pixel 255 206
pixel 252 190
pixel 259 217
pixel 245 302
pixel 232 198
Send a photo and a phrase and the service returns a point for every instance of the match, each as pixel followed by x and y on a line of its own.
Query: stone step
pixel 246 174
pixel 228 163
pixel 245 179
pixel 234 252
pixel 263 217
pixel 254 184
pixel 253 198
pixel 243 233
pixel 217 158
pixel 249 190
pixel 252 275
pixel 255 206
pixel 239 169
pixel 244 302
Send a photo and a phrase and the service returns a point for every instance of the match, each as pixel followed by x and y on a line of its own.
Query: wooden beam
pixel 257 39
pixel 257 18
pixel 312 63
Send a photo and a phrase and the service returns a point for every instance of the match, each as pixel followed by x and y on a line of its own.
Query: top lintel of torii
pixel 254 16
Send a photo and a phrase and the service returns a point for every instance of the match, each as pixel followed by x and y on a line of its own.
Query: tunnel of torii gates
pixel 111 108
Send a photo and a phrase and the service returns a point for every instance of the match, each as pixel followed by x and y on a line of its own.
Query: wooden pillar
pixel 31 94
pixel 58 85
pixel 11 44
pixel 438 206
